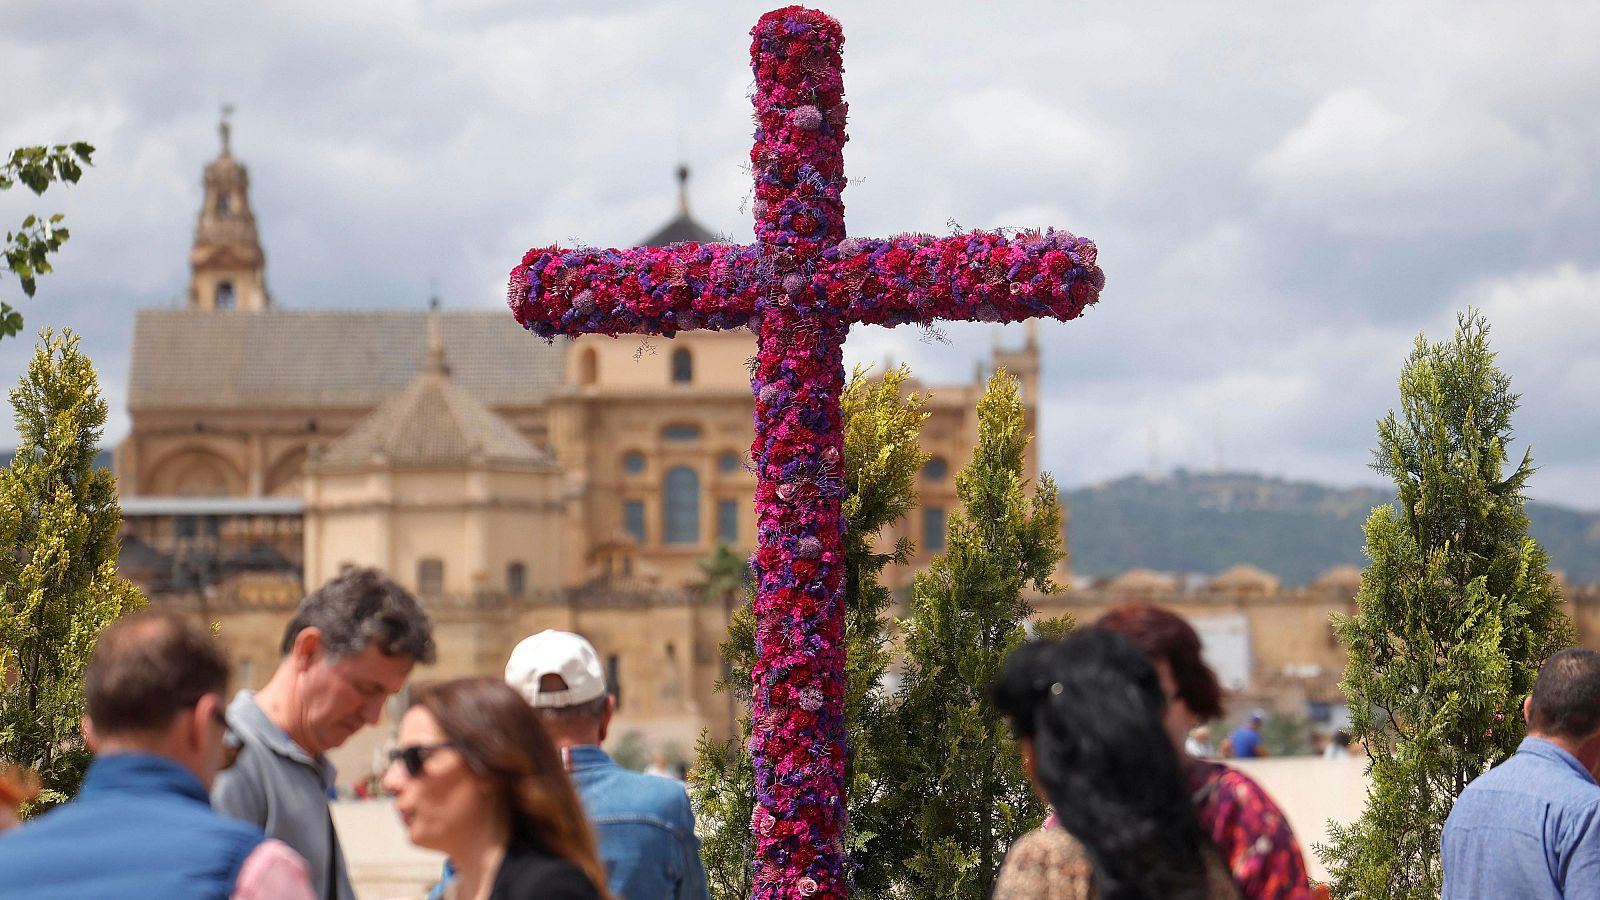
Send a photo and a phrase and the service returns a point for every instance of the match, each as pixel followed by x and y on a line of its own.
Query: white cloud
pixel 1283 194
pixel 1359 165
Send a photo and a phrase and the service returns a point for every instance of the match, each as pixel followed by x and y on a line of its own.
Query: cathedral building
pixel 516 485
pixel 513 484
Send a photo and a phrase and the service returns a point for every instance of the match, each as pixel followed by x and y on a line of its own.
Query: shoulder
pixel 273 870
pixel 622 794
pixel 1044 863
pixel 1047 845
pixel 1250 832
pixel 531 875
pixel 238 790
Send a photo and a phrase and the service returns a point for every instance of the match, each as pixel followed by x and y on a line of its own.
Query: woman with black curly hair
pixel 1087 711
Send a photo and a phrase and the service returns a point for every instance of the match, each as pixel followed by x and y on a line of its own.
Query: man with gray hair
pixel 348 649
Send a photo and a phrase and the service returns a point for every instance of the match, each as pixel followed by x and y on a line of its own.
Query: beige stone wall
pixel 1294 654
pixel 476 522
pixel 566 527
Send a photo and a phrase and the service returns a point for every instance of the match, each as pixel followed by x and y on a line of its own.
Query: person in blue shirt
pixel 1246 739
pixel 644 823
pixel 1530 827
pixel 141 825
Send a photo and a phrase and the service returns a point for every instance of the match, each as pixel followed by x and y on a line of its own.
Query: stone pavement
pixel 383 864
pixel 1311 790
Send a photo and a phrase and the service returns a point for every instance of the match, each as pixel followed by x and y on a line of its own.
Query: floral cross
pixel 800 288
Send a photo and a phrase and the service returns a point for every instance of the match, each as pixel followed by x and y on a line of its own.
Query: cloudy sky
pixel 1284 194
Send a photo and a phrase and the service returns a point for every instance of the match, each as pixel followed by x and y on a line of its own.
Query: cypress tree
pixel 1456 613
pixel 58 564
pixel 958 792
pixel 881 462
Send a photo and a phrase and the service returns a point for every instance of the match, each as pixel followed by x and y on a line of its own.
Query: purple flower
pixel 806 118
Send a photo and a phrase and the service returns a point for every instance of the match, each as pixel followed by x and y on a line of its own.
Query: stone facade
pixel 514 485
pixel 517 485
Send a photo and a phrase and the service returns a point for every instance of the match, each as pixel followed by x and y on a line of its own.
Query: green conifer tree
pixel 959 793
pixel 881 462
pixel 1455 615
pixel 58 564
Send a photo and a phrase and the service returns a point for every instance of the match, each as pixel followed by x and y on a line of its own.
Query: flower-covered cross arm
pixel 978 276
pixel 645 290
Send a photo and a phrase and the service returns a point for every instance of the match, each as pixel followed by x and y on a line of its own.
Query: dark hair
pixel 502 740
pixel 1092 706
pixel 1163 635
pixel 148 667
pixel 1566 696
pixel 359 607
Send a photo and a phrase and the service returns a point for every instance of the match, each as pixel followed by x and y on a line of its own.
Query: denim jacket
pixel 645 828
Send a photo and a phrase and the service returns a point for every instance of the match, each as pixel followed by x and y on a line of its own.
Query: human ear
pixel 605 717
pixel 308 647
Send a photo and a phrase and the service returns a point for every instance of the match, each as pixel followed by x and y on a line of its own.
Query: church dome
pixel 683 228
pixel 1244 579
pixel 432 421
pixel 1345 579
pixel 1144 581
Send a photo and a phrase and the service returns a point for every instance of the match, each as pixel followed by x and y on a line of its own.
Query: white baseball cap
pixel 559 653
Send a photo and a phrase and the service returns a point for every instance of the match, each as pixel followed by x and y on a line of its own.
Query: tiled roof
pixel 433 421
pixel 279 359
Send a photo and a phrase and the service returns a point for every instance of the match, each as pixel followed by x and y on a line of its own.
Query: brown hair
pixel 502 740
pixel 1566 696
pixel 1164 636
pixel 147 668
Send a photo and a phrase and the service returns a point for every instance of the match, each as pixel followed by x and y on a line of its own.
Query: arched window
pixel 588 366
pixel 933 528
pixel 633 519
pixel 517 579
pixel 224 295
pixel 430 577
pixel 682 366
pixel 680 506
pixel 224 203
pixel 728 522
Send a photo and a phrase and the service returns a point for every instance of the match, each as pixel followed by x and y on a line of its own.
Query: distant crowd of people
pixel 193 795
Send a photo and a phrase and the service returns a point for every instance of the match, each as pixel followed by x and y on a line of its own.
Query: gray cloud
pixel 1284 196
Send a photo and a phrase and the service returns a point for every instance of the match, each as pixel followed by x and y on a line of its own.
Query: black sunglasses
pixel 414 756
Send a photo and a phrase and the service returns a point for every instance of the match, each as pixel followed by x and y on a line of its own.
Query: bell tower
pixel 228 269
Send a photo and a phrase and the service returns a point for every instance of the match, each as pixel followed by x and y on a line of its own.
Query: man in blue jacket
pixel 644 823
pixel 141 825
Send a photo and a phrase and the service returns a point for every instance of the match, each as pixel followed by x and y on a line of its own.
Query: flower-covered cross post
pixel 800 288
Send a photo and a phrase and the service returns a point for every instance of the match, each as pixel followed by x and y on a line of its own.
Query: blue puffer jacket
pixel 140 827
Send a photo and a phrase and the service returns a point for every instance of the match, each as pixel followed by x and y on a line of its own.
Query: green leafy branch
pixel 28 249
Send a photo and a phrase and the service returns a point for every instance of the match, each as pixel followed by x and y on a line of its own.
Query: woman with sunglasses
pixel 475 776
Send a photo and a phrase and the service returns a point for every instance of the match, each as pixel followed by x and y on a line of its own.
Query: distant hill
pixel 1189 522
pixel 102 459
